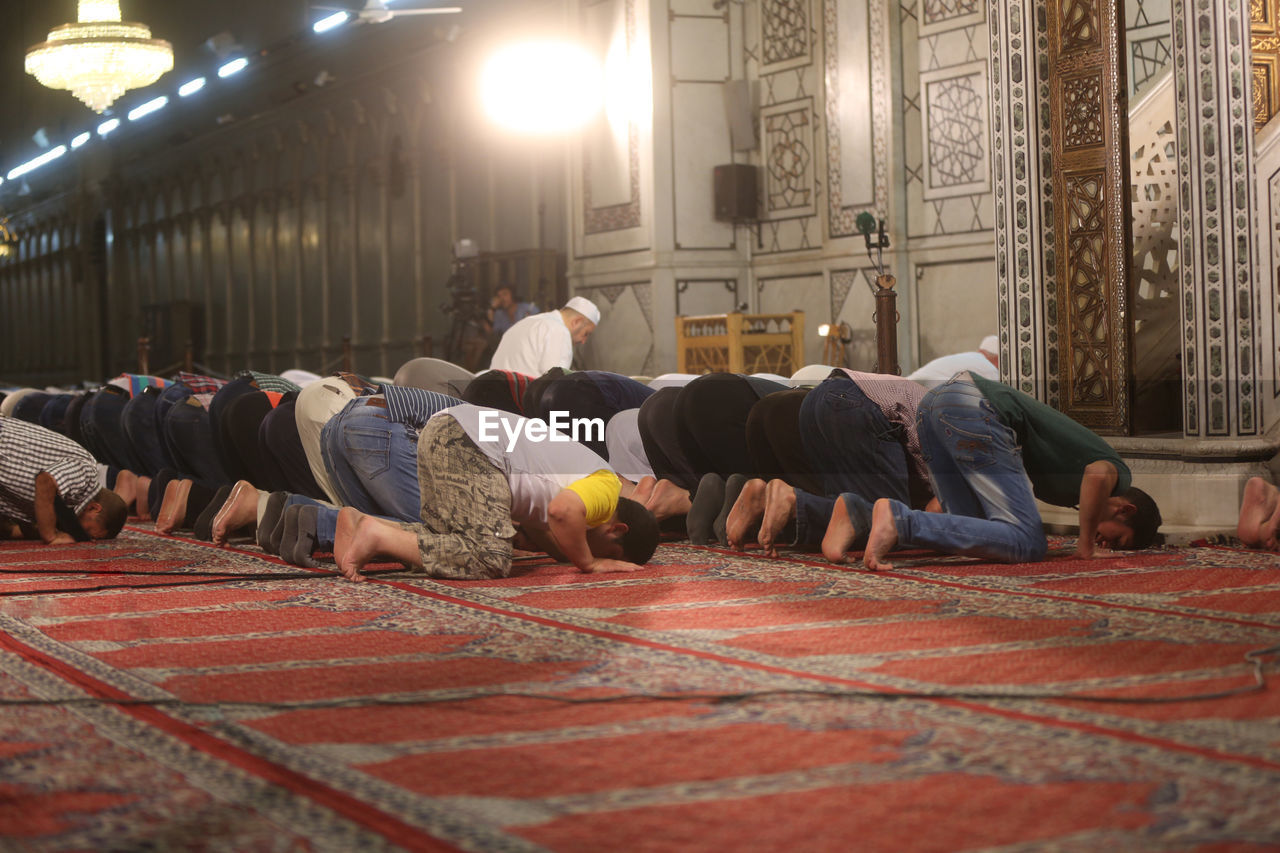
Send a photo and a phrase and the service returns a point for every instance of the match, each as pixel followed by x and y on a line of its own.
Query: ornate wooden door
pixel 1089 120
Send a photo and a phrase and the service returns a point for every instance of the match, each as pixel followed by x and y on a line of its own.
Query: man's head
pixel 1131 522
pixel 103 517
pixel 990 347
pixel 503 297
pixel 581 316
pixel 632 534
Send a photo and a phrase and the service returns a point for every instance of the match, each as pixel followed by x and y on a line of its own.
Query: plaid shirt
pixel 898 399
pixel 200 384
pixel 271 382
pixel 133 383
pixel 27 450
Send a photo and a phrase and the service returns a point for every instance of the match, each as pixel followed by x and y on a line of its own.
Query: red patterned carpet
pixel 162 694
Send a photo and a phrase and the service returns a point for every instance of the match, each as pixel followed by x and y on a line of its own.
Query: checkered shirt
pixel 27 450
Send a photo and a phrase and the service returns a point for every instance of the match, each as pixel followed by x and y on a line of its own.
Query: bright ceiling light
pixel 337 19
pixel 81 139
pixel 99 58
pixel 148 108
pixel 191 87
pixel 233 67
pixel 542 87
pixel 31 165
pixel 108 126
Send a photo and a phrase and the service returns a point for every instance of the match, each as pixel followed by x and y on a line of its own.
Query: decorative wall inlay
pixel 615 217
pixel 1082 111
pixel 946 124
pixel 1026 280
pixel 1080 24
pixel 1264 42
pixel 785 34
pixel 954 116
pixel 1273 192
pixel 842 212
pixel 788 150
pixel 939 15
pixel 843 281
pixel 1215 169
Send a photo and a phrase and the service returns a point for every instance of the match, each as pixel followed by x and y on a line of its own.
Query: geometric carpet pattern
pixel 162 694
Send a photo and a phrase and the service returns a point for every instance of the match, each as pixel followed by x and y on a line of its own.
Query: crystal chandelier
pixel 99 58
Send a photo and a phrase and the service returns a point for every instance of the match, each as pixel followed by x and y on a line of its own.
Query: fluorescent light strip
pixel 108 126
pixel 337 19
pixel 30 165
pixel 148 108
pixel 191 87
pixel 233 67
pixel 81 139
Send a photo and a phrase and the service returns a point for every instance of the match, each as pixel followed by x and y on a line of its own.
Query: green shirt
pixel 1055 449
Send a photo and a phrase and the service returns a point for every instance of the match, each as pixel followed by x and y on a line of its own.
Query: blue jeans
pixel 372 462
pixel 188 435
pixel 989 510
pixel 852 447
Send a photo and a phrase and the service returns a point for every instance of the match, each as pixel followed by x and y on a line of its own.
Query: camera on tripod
pixel 464 298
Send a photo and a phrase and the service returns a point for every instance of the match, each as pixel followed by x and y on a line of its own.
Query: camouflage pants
pixel 466 528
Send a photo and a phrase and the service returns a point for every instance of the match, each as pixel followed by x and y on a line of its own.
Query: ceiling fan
pixel 377 12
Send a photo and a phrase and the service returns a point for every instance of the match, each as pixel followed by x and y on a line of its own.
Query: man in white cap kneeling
pixel 538 343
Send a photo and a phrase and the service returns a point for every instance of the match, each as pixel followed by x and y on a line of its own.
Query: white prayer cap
pixel 585 307
pixel 990 344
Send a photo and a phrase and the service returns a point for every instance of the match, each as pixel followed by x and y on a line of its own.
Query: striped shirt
pixel 413 407
pixel 27 450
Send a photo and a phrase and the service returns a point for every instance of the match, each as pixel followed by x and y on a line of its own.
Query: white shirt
pixel 536 471
pixel 535 345
pixel 626 450
pixel 941 369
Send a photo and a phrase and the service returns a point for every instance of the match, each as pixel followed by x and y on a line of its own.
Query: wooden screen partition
pixel 741 343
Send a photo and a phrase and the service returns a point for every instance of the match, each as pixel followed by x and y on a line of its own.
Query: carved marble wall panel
pixel 786 34
pixel 626 315
pixel 788 133
pixel 855 53
pixel 955 307
pixel 1149 38
pixel 695 296
pixel 790 76
pixel 956 138
pixel 946 143
pixel 613 157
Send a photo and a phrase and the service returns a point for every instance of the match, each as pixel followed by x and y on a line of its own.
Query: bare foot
pixel 344 553
pixel 883 536
pixel 174 508
pixel 126 486
pixel 779 508
pixel 239 510
pixel 643 489
pixel 1259 514
pixel 746 513
pixel 840 534
pixel 141 488
pixel 668 500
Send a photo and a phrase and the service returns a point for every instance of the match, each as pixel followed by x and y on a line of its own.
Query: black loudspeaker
pixel 736 193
